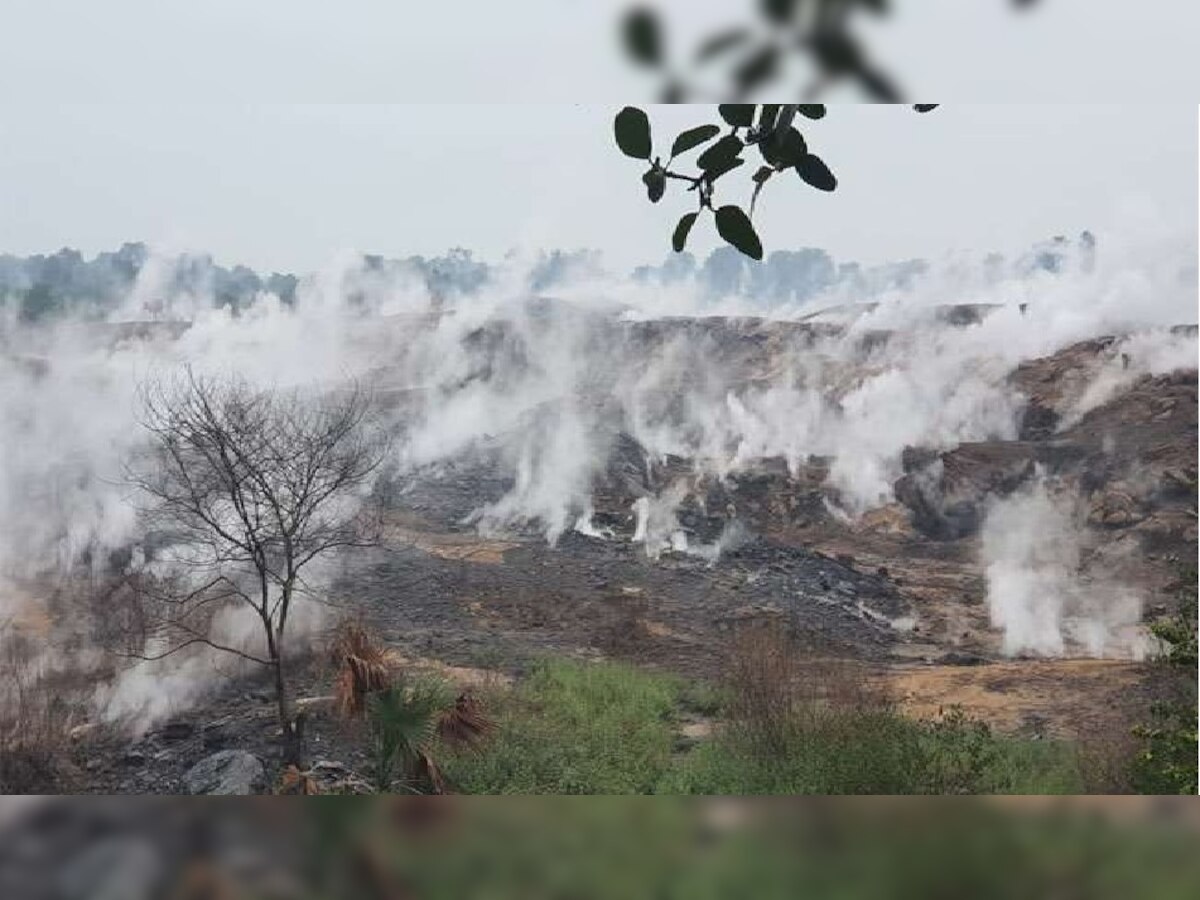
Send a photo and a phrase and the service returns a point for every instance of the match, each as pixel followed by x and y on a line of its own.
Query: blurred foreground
pixel 423 847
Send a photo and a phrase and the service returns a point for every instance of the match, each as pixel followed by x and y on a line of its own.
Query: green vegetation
pixel 575 728
pixel 634 847
pixel 1167 762
pixel 608 728
pixel 404 720
pixel 865 751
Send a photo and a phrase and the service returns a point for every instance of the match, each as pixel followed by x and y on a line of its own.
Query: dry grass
pixel 1106 761
pixel 363 665
pixel 1075 699
pixel 465 725
pixel 37 715
pixel 772 686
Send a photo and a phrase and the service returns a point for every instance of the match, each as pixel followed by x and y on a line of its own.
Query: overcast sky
pixel 561 50
pixel 284 187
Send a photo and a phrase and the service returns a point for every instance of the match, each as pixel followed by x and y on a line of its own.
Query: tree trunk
pixel 291 726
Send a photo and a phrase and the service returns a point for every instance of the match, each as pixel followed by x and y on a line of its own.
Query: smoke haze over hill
pixel 542 365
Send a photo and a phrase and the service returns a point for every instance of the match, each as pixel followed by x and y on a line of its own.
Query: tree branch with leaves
pixel 768 127
pixel 756 49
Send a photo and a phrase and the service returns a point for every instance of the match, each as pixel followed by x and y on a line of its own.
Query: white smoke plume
pixel 1031 545
pixel 545 384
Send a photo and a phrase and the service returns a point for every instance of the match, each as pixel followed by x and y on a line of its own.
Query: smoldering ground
pixel 545 387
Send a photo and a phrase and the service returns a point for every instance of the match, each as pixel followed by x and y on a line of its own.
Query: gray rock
pixel 227 772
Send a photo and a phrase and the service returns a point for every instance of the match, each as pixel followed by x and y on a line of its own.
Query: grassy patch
pixel 575 728
pixel 607 728
pixel 876 752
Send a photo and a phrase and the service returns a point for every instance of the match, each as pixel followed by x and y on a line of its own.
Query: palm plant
pixel 404 720
pixel 410 719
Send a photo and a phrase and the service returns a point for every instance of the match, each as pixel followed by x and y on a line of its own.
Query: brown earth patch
pixel 469 548
pixel 1062 698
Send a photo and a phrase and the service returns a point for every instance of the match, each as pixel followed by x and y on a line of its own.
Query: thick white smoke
pixel 545 385
pixel 1031 545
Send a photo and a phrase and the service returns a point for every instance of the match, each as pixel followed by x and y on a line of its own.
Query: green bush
pixel 1167 761
pixel 863 751
pixel 403 719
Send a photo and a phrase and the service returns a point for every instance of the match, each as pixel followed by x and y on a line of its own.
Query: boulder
pixel 226 772
pixel 1114 507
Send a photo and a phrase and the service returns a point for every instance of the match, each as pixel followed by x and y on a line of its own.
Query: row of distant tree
pixel 43 287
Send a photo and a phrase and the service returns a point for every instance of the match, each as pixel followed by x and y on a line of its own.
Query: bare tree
pixel 253 485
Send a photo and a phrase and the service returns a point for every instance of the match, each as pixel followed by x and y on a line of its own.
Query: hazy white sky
pixel 286 187
pixel 560 50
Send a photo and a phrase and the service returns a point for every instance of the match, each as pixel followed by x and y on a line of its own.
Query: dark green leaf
pixel 787 115
pixel 783 148
pixel 719 43
pixel 836 52
pixel 879 87
pixel 727 166
pixel 814 171
pixel 673 92
pixel 738 114
pixel 925 107
pixel 682 230
pixel 632 130
pixel 812 110
pixel 756 69
pixel 767 116
pixel 727 148
pixel 642 35
pixel 656 183
pixel 694 137
pixel 734 227
pixel 778 11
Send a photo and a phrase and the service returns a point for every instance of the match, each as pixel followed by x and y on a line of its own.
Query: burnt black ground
pixel 569 598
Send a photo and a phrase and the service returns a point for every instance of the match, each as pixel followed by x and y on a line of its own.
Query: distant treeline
pixel 41 287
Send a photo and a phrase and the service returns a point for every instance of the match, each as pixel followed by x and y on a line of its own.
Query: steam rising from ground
pixel 546 385
pixel 1032 547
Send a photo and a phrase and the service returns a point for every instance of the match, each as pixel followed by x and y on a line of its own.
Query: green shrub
pixel 403 719
pixel 877 751
pixel 1166 764
pixel 1167 761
